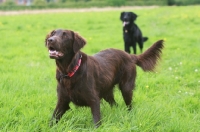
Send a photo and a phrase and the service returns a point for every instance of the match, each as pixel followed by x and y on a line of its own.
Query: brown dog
pixel 84 80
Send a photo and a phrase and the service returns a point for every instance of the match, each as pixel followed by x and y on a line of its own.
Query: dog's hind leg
pixel 127 93
pixel 109 97
pixel 126 86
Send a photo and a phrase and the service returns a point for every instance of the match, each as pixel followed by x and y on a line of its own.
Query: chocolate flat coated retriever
pixel 131 32
pixel 84 79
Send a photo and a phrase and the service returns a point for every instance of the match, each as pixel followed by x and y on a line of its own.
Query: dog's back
pixel 113 64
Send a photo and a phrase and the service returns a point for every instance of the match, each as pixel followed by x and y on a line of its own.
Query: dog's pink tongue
pixel 124 23
pixel 53 52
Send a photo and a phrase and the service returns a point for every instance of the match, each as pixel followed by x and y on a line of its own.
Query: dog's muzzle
pixel 125 23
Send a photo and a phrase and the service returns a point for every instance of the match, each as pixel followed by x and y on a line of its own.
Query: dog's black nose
pixel 50 40
pixel 125 19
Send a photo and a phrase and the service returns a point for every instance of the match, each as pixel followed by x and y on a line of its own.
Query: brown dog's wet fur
pixel 97 75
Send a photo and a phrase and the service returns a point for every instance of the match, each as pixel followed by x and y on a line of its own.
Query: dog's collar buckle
pixel 62 76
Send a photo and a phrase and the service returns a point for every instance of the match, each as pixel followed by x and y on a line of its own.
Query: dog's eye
pixel 64 34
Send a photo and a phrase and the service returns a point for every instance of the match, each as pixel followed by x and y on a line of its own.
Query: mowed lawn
pixel 165 101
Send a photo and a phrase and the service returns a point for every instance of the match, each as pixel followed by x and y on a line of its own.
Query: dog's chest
pixel 126 31
pixel 130 29
pixel 78 100
pixel 75 93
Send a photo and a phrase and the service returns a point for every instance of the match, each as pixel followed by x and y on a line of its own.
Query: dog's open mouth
pixel 125 23
pixel 54 53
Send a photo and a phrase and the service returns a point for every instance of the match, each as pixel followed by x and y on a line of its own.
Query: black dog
pixel 132 33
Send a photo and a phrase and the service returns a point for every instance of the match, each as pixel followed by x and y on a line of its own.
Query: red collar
pixel 72 72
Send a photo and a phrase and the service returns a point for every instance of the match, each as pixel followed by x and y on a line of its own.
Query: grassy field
pixel 165 101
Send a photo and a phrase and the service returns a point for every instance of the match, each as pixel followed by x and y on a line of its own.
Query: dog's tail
pixel 149 59
pixel 145 39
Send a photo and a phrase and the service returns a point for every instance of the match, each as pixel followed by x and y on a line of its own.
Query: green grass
pixel 165 101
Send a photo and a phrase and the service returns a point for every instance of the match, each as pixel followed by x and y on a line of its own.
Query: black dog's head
pixel 61 43
pixel 128 18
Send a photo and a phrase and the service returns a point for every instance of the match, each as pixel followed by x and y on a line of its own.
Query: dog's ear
pixel 79 42
pixel 46 39
pixel 133 15
pixel 121 16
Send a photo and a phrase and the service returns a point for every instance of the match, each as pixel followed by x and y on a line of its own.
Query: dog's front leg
pixel 95 109
pixel 127 47
pixel 134 47
pixel 61 107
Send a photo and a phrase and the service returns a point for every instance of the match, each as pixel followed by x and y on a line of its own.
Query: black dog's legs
pixel 134 47
pixel 127 47
pixel 140 42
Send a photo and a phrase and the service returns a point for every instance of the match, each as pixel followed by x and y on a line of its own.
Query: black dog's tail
pixel 148 60
pixel 145 39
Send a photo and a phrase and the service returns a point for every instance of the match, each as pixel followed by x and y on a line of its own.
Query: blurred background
pixel 41 4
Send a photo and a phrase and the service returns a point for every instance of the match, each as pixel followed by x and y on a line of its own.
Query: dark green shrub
pixel 145 2
pixel 39 3
pixel 116 2
pixel 183 2
pixel 9 3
